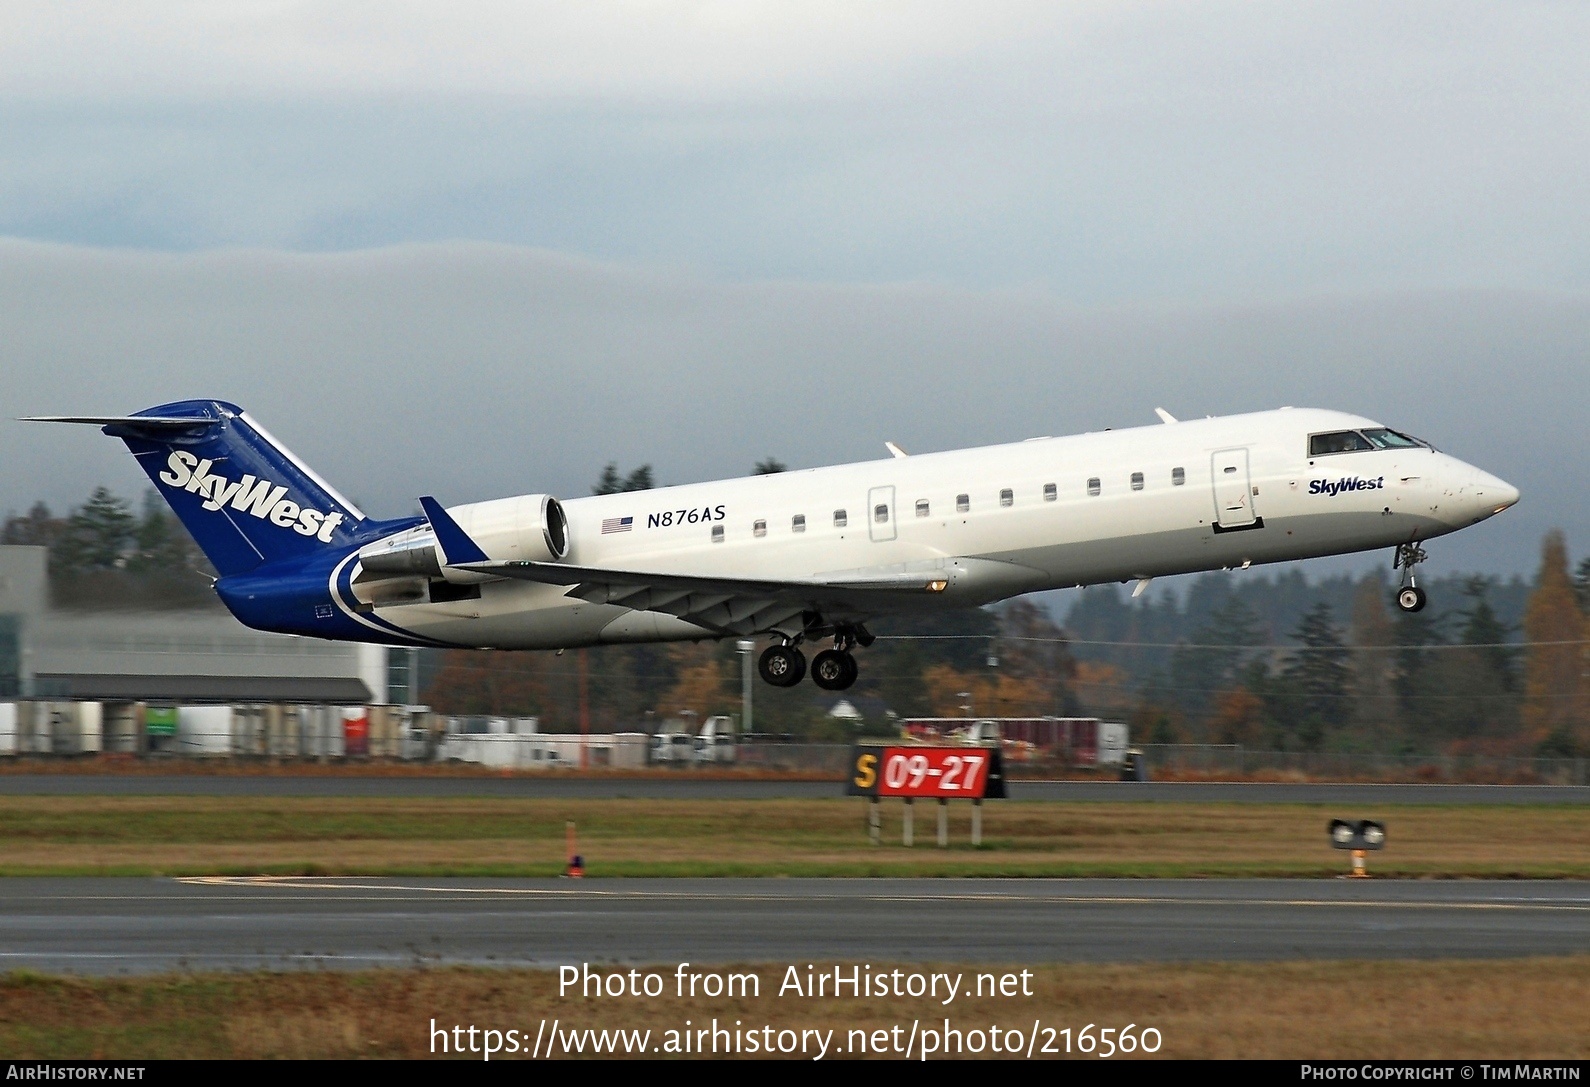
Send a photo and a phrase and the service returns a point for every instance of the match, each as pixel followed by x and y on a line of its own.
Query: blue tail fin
pixel 242 495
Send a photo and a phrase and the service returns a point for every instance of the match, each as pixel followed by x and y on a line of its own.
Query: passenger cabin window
pixel 1178 477
pixel 1093 487
pixel 1340 441
pixel 840 519
pixel 759 527
pixel 1137 481
pixel 880 514
pixel 921 507
pixel 717 533
pixel 1050 492
pixel 962 503
pixel 1007 497
pixel 798 523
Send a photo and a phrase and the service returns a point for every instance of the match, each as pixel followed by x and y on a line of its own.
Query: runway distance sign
pixel 942 773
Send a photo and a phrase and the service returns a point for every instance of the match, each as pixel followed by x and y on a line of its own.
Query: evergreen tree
pixel 1216 662
pixel 1374 667
pixel 772 466
pixel 97 536
pixel 1482 628
pixel 162 549
pixel 37 529
pixel 610 482
pixel 1314 683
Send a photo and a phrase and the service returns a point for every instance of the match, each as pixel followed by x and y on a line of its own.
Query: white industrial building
pixel 195 656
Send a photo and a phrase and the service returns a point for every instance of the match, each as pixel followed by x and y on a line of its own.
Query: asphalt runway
pixel 116 926
pixel 686 787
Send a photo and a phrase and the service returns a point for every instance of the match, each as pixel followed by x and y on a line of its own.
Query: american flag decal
pixel 617 524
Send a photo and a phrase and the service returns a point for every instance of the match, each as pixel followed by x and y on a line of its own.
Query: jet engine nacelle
pixel 529 528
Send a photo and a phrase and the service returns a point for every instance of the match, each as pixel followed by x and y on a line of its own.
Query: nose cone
pixel 1505 494
pixel 1483 495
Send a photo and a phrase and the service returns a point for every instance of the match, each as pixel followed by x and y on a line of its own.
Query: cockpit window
pixel 1340 441
pixel 1391 439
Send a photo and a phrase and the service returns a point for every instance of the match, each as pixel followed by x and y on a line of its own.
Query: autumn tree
pixel 1033 648
pixel 700 688
pixel 1239 718
pixel 492 681
pixel 1554 664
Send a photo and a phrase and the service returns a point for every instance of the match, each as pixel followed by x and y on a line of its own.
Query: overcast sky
pixel 482 248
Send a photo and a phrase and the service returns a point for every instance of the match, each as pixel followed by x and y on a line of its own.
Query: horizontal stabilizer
pixel 458 549
pixel 152 423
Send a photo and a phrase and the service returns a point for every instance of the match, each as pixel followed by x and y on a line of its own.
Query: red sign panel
pixel 356 736
pixel 947 773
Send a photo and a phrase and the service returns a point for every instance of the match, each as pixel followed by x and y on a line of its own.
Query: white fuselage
pixel 1173 498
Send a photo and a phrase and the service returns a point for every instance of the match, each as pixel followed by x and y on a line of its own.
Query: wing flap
pixel 553 573
pixel 728 606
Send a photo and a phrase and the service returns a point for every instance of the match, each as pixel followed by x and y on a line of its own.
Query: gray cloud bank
pixel 472 371
pixel 1110 151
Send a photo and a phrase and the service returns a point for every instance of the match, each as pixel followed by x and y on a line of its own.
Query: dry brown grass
pixel 201 835
pixel 1528 1008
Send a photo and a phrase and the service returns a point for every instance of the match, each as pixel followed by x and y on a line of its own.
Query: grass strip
pixel 1512 1008
pixel 786 837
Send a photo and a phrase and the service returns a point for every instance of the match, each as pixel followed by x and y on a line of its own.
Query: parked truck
pixel 1080 741
pixel 715 741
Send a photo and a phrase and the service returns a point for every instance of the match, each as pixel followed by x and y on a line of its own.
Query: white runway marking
pixel 334 883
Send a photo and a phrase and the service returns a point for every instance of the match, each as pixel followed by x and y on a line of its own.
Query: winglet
pixel 457 547
pixel 1164 416
pixel 894 450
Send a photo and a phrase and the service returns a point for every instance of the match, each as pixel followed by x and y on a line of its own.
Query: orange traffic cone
pixel 576 867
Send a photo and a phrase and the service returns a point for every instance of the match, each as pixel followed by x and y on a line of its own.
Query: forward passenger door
pixel 1233 490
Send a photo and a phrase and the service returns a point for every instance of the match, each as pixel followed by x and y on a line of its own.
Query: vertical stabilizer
pixel 245 498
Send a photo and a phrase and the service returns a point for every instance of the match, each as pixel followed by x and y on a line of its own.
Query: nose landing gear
pixel 1410 598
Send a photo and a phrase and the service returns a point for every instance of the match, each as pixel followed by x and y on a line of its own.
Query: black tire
pixel 833 670
pixel 782 665
pixel 1411 598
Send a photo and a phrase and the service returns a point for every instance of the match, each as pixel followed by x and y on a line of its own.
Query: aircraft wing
pixel 724 605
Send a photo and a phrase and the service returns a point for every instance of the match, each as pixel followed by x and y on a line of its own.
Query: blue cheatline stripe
pixel 342 592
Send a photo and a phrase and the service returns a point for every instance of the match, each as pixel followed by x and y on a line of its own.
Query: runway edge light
pixel 1360 836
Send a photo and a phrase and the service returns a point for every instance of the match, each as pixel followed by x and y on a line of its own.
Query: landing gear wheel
pixel 833 670
pixel 782 665
pixel 1410 598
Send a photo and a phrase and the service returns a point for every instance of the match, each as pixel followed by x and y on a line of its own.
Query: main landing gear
pixel 1410 598
pixel 782 665
pixel 833 669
